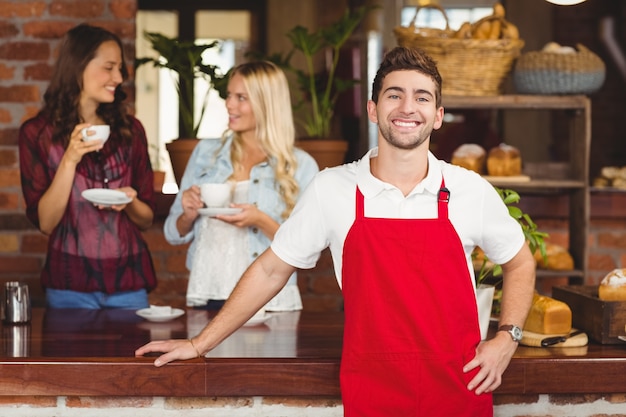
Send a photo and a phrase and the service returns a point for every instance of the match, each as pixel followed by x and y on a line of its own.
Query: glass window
pixel 156 96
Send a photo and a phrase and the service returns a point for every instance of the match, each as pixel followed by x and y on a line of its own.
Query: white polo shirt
pixel 325 212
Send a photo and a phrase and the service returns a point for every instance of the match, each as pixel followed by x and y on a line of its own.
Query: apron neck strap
pixel 443 198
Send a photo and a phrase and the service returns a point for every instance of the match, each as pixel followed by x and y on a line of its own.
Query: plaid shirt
pixel 90 249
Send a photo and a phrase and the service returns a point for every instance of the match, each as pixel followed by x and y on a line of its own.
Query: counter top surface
pixel 85 352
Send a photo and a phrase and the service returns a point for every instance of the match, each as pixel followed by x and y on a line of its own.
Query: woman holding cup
pixel 83 139
pixel 265 175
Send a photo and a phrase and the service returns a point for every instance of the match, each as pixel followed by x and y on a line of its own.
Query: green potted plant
pixel 319 92
pixel 486 294
pixel 535 238
pixel 185 59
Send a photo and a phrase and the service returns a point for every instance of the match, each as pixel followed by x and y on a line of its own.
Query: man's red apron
pixel 411 321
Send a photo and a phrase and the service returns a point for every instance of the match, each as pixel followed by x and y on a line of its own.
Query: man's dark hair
pixel 407 59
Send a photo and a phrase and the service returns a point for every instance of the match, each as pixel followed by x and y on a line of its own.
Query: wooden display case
pixel 569 178
pixel 602 320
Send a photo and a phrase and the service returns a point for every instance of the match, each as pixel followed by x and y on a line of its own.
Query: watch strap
pixel 514 331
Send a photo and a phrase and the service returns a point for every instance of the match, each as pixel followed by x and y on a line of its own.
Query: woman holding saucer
pixel 97 257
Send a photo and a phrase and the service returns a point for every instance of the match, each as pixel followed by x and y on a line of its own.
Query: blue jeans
pixel 134 300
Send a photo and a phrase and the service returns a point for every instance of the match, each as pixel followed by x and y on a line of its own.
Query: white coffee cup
pixel 160 310
pixel 101 132
pixel 216 194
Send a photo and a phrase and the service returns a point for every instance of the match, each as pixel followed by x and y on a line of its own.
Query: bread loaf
pixel 470 156
pixel 613 286
pixel 557 258
pixel 548 316
pixel 504 161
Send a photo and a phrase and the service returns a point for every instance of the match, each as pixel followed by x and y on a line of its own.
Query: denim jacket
pixel 206 166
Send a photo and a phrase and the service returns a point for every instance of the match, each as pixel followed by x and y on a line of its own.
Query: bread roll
pixel 504 161
pixel 510 31
pixel 482 30
pixel 464 32
pixel 610 172
pixel 548 316
pixel 551 47
pixel 557 258
pixel 601 182
pixel 498 9
pixel 619 183
pixel 613 286
pixel 496 30
pixel 470 156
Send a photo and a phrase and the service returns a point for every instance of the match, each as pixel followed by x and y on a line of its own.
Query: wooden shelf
pixel 521 101
pixel 539 185
pixel 568 178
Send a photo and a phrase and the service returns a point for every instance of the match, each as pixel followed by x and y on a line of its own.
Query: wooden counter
pixel 91 353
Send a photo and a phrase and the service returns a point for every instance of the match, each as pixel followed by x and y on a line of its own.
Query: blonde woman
pixel 256 155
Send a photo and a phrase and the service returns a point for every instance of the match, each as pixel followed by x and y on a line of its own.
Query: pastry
pixel 613 286
pixel 557 258
pixel 470 156
pixel 504 161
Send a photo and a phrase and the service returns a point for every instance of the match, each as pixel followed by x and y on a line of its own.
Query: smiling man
pixel 401 226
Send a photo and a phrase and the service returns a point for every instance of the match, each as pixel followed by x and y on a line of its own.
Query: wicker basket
pixel 541 72
pixel 468 67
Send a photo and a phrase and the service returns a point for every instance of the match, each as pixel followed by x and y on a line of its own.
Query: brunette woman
pixel 96 256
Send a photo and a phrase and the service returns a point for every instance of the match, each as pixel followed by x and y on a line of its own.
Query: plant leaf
pixel 535 238
pixel 185 59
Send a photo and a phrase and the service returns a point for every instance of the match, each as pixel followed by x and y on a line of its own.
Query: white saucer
pixel 151 315
pixel 255 321
pixel 214 211
pixel 106 197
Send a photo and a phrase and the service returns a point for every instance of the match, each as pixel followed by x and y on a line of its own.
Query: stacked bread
pixel 611 176
pixel 494 26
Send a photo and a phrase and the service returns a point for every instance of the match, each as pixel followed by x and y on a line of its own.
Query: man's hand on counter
pixel 172 350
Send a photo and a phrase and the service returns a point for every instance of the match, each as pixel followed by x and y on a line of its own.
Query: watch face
pixel 516 332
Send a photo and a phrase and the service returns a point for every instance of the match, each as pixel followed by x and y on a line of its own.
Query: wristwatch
pixel 514 331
